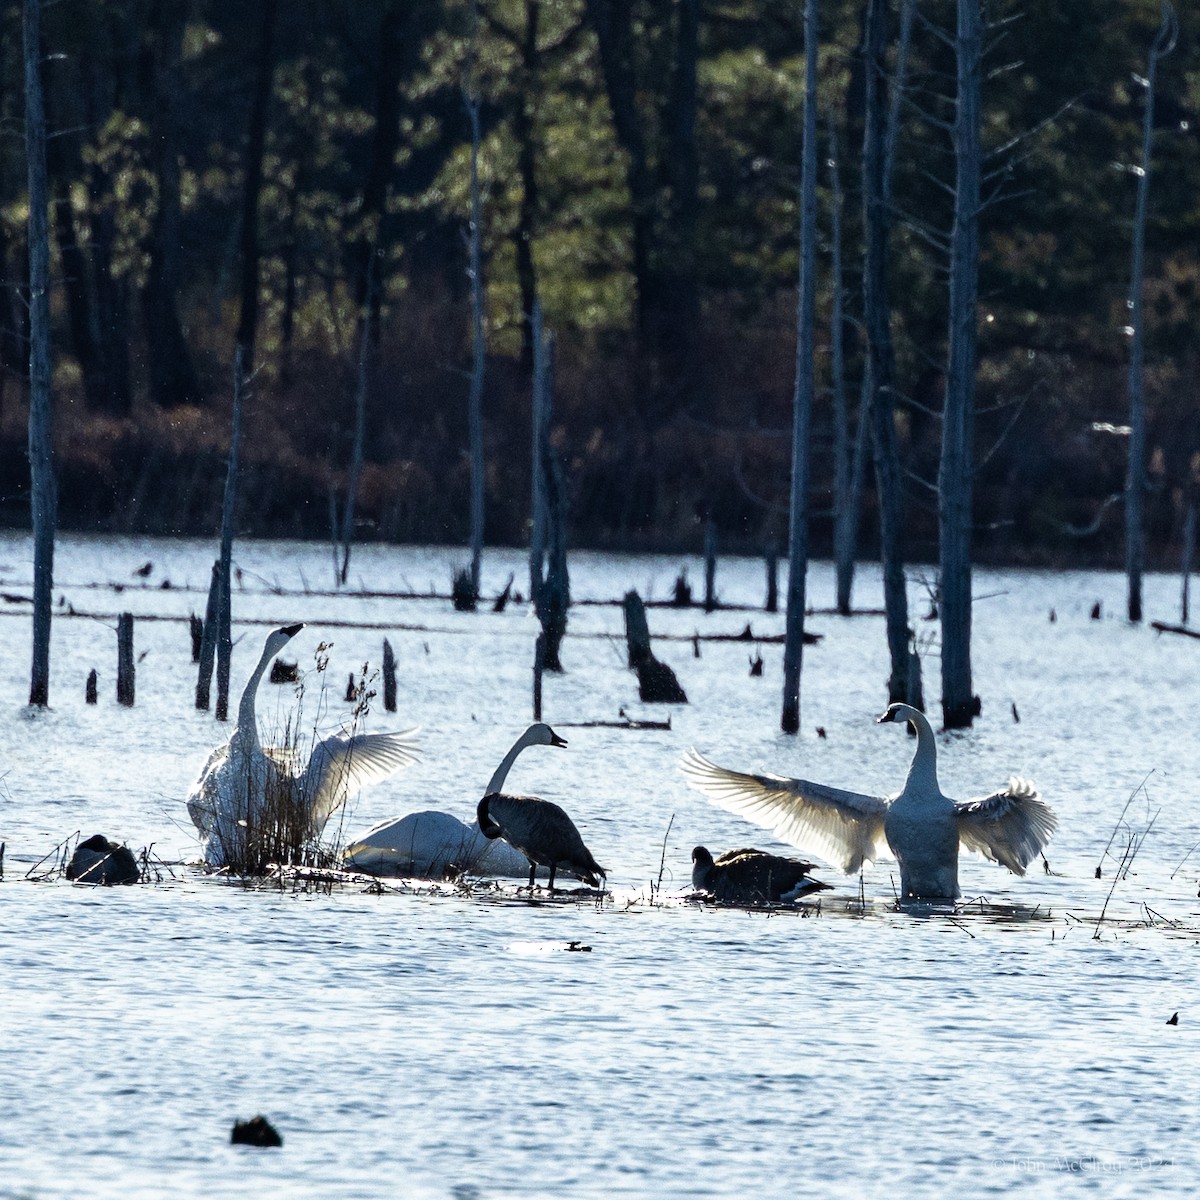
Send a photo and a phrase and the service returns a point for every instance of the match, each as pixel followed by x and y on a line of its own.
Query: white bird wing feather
pixel 1010 827
pixel 342 763
pixel 843 828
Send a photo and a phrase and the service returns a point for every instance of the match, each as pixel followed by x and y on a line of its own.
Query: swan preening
pixel 921 826
pixel 750 876
pixel 242 779
pixel 430 843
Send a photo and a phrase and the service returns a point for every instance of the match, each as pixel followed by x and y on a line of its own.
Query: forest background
pixel 273 176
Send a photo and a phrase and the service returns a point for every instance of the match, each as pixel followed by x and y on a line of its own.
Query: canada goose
pixel 98 860
pixel 922 827
pixel 426 843
pixel 746 876
pixel 541 831
pixel 231 790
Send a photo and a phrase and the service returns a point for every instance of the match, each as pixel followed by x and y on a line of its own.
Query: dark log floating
pixel 1162 627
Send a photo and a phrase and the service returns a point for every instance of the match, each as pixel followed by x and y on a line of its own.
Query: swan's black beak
pixel 292 630
pixel 884 717
pixel 555 740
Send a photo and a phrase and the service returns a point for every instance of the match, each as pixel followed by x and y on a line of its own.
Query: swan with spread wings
pixel 920 825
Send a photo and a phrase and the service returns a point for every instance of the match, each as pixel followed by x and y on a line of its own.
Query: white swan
pixel 230 794
pixel 427 843
pixel 921 826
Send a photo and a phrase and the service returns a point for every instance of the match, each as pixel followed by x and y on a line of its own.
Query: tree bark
pixel 173 379
pixel 252 177
pixel 955 477
pixel 1135 479
pixel 793 648
pixel 880 364
pixel 475 396
pixel 43 497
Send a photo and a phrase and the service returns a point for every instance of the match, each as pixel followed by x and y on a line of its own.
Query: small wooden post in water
pixel 125 667
pixel 710 565
pixel 208 644
pixel 772 555
pixel 89 691
pixel 389 677
pixel 196 628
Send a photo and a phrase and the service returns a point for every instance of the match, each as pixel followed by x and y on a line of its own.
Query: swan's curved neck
pixel 247 726
pixel 923 771
pixel 501 773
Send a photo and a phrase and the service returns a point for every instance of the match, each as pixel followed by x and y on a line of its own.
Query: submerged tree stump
pixel 89 691
pixel 389 677
pixel 196 628
pixel 125 667
pixel 657 683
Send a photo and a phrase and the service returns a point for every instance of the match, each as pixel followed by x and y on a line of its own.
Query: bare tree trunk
pixel 955 490
pixel 1135 480
pixel 802 399
pixel 1189 549
pixel 228 510
pixel 845 495
pixel 360 422
pixel 173 378
pixel 537 462
pixel 550 591
pixel 880 365
pixel 527 209
pixel 475 398
pixel 256 143
pixel 43 494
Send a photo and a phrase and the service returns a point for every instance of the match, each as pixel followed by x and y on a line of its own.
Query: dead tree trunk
pixel 228 510
pixel 208 641
pixel 772 560
pixel 955 476
pixel 43 492
pixel 1135 479
pixel 880 362
pixel 710 565
pixel 360 424
pixel 793 648
pixel 657 683
pixel 389 677
pixel 475 397
pixel 126 671
pixel 549 582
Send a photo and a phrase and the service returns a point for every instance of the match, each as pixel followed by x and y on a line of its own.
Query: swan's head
pixel 487 826
pixel 278 638
pixel 901 712
pixel 540 734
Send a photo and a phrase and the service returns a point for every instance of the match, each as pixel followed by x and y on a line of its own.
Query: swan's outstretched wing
pixel 204 798
pixel 1010 827
pixel 342 763
pixel 844 828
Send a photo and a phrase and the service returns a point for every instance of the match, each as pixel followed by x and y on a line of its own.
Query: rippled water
pixel 434 1045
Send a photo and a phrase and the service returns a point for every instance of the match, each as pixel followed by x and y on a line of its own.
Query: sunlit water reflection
pixel 427 1043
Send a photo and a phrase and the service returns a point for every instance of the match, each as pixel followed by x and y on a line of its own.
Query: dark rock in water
pixel 103 862
pixel 257 1131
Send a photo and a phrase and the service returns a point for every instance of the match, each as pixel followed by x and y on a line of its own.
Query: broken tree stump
pixel 196 627
pixel 710 565
pixel 389 677
pixel 89 691
pixel 772 557
pixel 657 683
pixel 125 667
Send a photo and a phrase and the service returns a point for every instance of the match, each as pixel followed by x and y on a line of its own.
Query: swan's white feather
pixel 343 763
pixel 844 828
pixel 1011 826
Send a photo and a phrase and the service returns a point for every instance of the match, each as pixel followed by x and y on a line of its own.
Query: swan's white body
pixel 425 844
pixel 920 825
pixel 230 792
